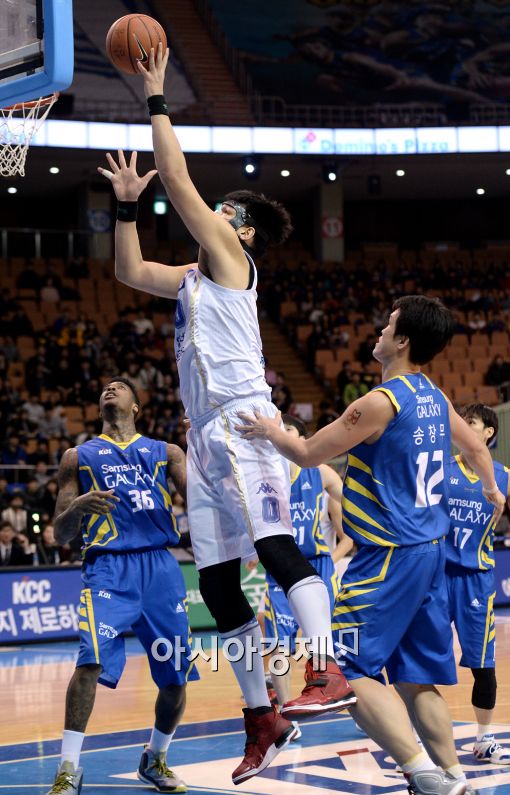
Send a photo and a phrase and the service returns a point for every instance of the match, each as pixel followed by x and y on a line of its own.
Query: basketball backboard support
pixel 36 49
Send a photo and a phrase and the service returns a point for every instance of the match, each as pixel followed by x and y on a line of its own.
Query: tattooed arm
pixel 177 468
pixel 71 506
pixel 363 421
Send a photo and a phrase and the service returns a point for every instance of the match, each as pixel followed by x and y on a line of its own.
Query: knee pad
pixel 484 688
pixel 282 558
pixel 220 586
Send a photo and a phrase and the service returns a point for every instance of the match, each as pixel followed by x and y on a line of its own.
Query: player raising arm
pixel 395 507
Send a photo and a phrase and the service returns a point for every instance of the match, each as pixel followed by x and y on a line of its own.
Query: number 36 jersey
pixel 469 542
pixel 395 492
pixel 136 471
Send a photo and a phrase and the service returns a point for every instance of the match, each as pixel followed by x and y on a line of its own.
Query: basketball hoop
pixel 18 125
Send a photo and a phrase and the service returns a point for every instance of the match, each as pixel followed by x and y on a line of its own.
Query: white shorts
pixel 238 491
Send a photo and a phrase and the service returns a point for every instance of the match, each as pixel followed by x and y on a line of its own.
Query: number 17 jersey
pixel 395 490
pixel 136 471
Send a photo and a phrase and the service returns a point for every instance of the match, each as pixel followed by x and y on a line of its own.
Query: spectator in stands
pixel 281 394
pixel 41 473
pixel 49 292
pixel 354 389
pixel 5 493
pixel 142 323
pixel 8 347
pixel 460 327
pixel 270 373
pixel 34 410
pixel 41 453
pixel 16 514
pixel 32 495
pixel 477 323
pixel 13 452
pixel 365 349
pixel 38 379
pixel 53 425
pixel 63 444
pixel 149 376
pixel 498 372
pixel 496 323
pixel 75 395
pixel 49 497
pixel 344 377
pixel 327 414
pixel 48 552
pixel 19 325
pixel 14 547
pixel 89 432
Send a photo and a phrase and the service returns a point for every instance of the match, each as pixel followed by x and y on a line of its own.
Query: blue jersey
pixel 305 511
pixel 469 542
pixel 395 493
pixel 136 470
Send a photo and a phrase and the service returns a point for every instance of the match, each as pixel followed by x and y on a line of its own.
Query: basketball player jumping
pixel 470 579
pixel 395 507
pixel 114 489
pixel 237 499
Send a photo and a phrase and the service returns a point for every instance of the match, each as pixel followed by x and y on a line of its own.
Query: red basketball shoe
pixel 266 736
pixel 325 691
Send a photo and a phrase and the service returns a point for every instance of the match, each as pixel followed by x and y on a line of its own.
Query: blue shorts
pixel 393 607
pixel 278 619
pixel 471 596
pixel 142 591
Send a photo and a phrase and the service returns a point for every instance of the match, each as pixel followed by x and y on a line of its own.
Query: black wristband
pixel 157 105
pixel 127 211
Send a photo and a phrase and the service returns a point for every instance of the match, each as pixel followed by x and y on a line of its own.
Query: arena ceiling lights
pixel 279 140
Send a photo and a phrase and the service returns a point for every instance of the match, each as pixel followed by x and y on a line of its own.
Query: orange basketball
pixel 130 39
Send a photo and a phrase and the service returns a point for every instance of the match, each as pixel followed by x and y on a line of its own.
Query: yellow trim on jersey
pixel 108 520
pixel 472 477
pixel 320 545
pixel 389 394
pixel 353 461
pixel 83 625
pixel 432 384
pixel 382 542
pixel 406 382
pixel 237 475
pixel 90 613
pixel 122 445
pixel 378 577
pixel 488 621
pixel 347 624
pixel 82 612
pixel 356 511
pixel 167 499
pixel 356 592
pixel 297 474
pixel 355 486
pixel 350 608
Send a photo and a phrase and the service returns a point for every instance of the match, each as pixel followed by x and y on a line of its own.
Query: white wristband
pixel 491 491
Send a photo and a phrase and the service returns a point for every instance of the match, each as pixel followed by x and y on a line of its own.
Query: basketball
pixel 130 40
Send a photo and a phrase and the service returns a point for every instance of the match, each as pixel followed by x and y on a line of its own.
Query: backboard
pixel 36 48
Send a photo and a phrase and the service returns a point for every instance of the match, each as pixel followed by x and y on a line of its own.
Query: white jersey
pixel 328 531
pixel 217 344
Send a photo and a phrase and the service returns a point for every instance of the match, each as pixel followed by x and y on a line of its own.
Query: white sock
pixel 483 729
pixel 159 742
pixel 419 762
pixel 456 771
pixel 309 602
pixel 252 682
pixel 71 747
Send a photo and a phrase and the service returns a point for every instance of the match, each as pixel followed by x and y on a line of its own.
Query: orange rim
pixel 42 102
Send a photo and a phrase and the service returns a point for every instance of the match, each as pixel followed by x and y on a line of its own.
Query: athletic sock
pixel 310 605
pixel 419 762
pixel 159 742
pixel 71 747
pixel 456 771
pixel 483 729
pixel 252 682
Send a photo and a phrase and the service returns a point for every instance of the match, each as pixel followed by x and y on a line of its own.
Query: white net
pixel 18 125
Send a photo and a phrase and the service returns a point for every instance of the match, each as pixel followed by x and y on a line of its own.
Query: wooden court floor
pixel 33 688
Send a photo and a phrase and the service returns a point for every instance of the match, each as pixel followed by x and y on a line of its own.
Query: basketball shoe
pixel 154 770
pixel 266 736
pixel 325 691
pixel 489 750
pixel 68 780
pixel 435 782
